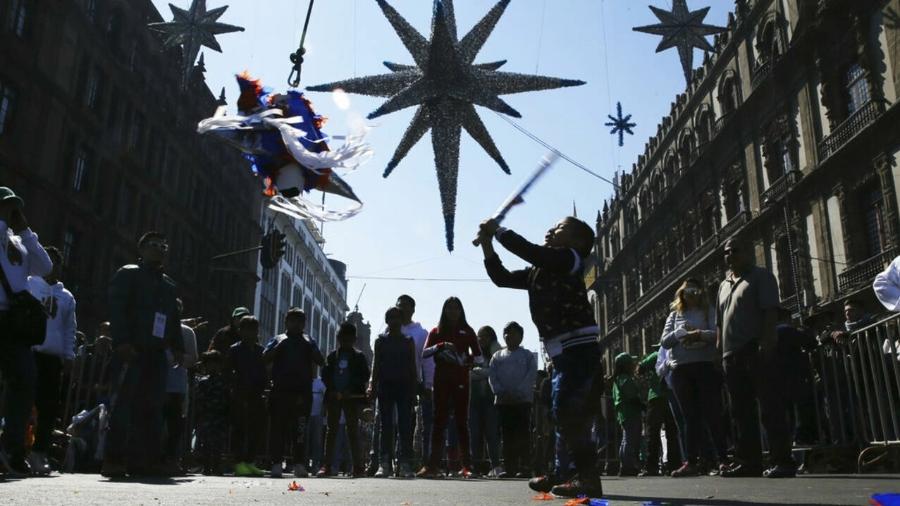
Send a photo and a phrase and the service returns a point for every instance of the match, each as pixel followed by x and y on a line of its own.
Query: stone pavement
pixel 808 490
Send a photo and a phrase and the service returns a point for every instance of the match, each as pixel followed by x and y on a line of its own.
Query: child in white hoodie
pixel 55 353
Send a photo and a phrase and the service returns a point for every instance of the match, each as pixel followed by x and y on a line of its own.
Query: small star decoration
pixel 191 29
pixel 683 29
pixel 446 85
pixel 620 125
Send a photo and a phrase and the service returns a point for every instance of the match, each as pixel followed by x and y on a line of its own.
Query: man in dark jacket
pixel 229 335
pixel 294 357
pixel 346 375
pixel 144 322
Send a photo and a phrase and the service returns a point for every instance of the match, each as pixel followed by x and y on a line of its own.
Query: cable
pixel 537 62
pixel 558 153
pixel 456 280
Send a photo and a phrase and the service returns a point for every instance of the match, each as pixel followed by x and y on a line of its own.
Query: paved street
pixel 200 490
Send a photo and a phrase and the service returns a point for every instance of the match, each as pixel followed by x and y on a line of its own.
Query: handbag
pixel 26 320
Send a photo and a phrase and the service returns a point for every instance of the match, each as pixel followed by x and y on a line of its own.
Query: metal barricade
pixel 858 399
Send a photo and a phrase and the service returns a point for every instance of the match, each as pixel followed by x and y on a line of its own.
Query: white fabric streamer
pixel 300 208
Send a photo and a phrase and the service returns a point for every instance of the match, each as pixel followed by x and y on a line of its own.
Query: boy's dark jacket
pixel 557 295
pixel 357 368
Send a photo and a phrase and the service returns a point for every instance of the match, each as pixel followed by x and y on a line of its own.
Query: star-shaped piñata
pixel 446 85
pixel 191 29
pixel 620 125
pixel 683 29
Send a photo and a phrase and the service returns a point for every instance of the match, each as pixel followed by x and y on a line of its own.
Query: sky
pixel 400 232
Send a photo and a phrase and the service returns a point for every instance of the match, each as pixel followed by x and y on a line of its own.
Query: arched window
pixel 728 94
pixel 669 172
pixel 704 127
pixel 686 151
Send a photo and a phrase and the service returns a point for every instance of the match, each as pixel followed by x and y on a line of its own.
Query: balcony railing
pixel 864 272
pixel 761 71
pixel 735 223
pixel 860 119
pixel 777 190
pixel 720 123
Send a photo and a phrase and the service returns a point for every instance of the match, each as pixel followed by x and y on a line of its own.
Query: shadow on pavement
pixel 149 480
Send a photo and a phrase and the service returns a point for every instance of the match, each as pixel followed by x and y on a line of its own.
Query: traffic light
pixel 272 248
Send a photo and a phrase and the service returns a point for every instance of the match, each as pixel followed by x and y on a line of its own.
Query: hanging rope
pixel 537 63
pixel 558 153
pixel 297 56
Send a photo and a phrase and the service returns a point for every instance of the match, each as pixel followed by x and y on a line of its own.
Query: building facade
pixel 304 277
pixel 788 137
pixel 98 137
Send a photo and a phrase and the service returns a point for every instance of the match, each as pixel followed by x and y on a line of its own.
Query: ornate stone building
pixel 98 137
pixel 788 136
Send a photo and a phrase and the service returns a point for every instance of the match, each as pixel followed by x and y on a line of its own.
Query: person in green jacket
pixel 658 416
pixel 628 405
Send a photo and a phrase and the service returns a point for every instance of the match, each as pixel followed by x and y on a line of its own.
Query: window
pixel 19 17
pixel 873 206
pixel 856 87
pixel 68 249
pixel 728 96
pixel 90 9
pixel 80 169
pixel 7 106
pixel 785 267
pixel 92 89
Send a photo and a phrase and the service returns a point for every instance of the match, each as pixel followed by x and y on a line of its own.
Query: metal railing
pixel 864 272
pixel 761 71
pixel 860 119
pixel 734 224
pixel 779 188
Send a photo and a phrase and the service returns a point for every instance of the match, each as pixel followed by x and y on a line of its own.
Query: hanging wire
pixel 537 62
pixel 558 153
pixel 297 56
pixel 614 154
pixel 444 280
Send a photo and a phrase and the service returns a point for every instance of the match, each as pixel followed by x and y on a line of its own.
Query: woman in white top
pixel 690 338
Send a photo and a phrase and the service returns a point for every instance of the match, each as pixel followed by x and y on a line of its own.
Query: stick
pixel 516 197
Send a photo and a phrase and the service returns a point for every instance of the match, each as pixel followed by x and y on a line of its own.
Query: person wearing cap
pixel 747 316
pixel 230 334
pixel 145 326
pixel 628 406
pixel 658 416
pixel 22 255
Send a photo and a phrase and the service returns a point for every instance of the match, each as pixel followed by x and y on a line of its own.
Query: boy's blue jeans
pixel 630 447
pixel 574 371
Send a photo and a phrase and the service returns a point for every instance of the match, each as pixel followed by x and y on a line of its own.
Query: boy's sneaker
pixel 37 461
pixel 578 487
pixel 687 469
pixel 253 470
pixel 496 472
pixel 406 471
pixel 427 472
pixel 113 470
pixel 324 472
pixel 240 469
pixel 276 470
pixel 542 483
pixel 384 470
pixel 465 473
pixel 300 471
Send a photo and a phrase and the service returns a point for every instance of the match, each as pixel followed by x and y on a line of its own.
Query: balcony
pixel 734 224
pixel 857 121
pixel 864 272
pixel 777 190
pixel 720 123
pixel 761 70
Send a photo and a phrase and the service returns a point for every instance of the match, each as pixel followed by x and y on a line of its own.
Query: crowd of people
pixel 451 401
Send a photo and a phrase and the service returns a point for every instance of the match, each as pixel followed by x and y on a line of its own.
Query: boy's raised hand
pixel 486 231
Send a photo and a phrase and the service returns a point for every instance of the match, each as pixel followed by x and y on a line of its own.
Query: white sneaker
pixel 406 471
pixel 384 470
pixel 37 461
pixel 276 470
pixel 495 472
pixel 300 471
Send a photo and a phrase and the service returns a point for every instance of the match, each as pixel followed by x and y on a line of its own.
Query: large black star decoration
pixel 620 125
pixel 191 29
pixel 683 29
pixel 445 84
